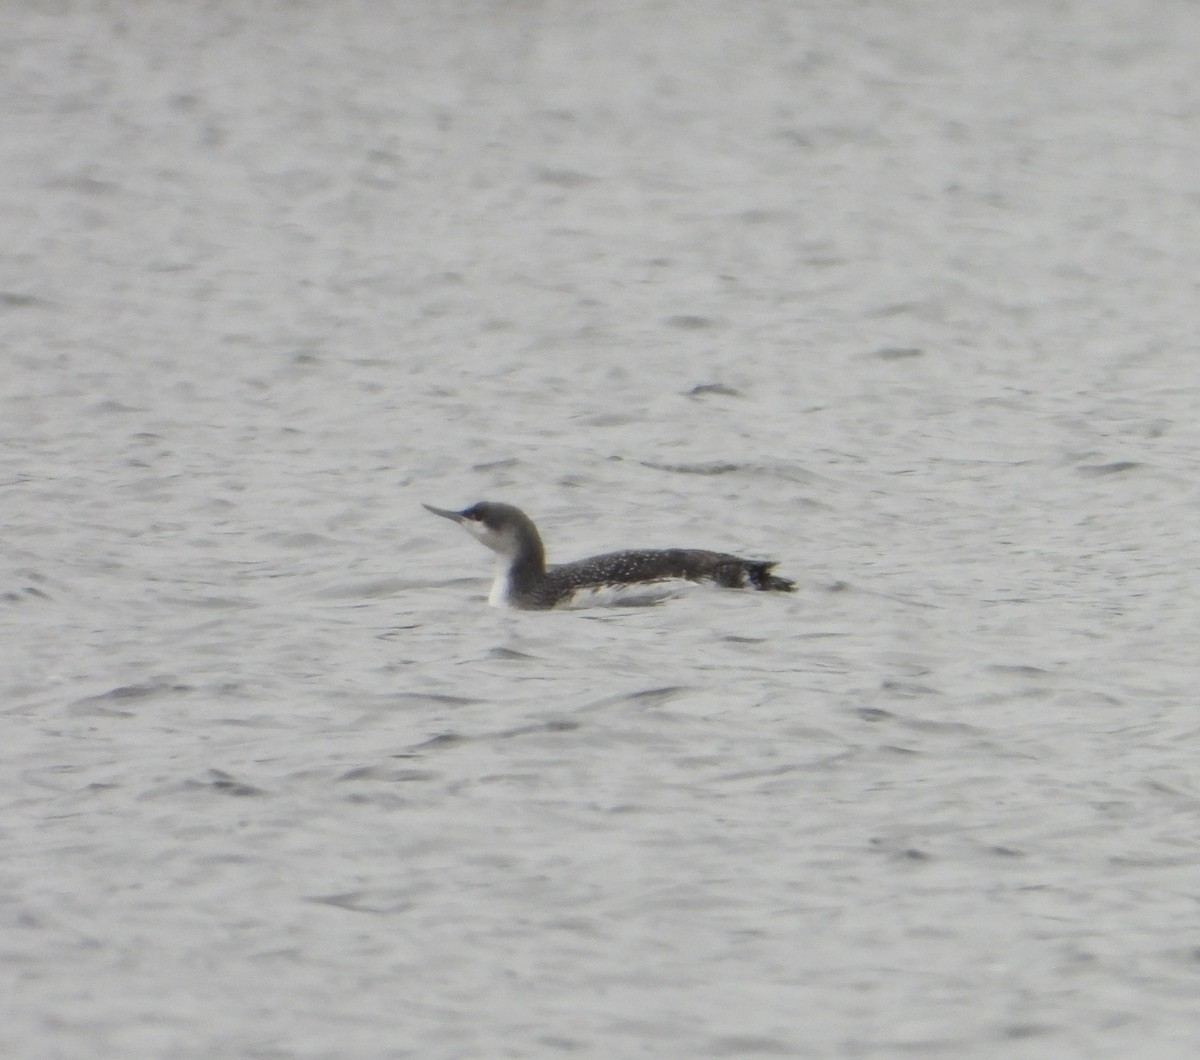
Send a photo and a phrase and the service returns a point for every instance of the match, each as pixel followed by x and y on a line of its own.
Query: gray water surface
pixel 901 294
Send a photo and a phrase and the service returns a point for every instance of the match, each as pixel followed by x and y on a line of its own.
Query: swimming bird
pixel 639 576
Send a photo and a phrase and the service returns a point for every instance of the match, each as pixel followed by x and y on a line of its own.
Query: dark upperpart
pixel 526 582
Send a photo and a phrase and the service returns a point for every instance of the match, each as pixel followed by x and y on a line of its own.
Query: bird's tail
pixel 760 577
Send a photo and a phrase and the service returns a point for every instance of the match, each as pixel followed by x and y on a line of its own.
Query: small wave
pixel 1117 467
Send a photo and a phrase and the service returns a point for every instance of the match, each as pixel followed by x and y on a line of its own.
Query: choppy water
pixel 901 294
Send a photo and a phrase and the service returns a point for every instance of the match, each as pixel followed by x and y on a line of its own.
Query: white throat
pixel 501 583
pixel 502 541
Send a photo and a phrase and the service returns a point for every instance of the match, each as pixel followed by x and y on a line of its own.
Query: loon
pixel 524 581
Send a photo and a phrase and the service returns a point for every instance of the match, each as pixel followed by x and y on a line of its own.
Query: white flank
pixel 635 594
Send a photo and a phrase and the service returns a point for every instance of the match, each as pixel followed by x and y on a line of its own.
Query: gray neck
pixel 528 564
pixel 528 556
pixel 518 574
pixel 520 562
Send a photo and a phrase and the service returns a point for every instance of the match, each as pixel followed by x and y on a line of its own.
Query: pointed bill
pixel 452 516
